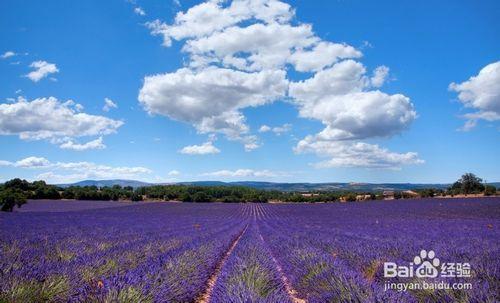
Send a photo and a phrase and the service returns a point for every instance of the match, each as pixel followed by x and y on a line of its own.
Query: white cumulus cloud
pixel 203 149
pixel 233 66
pixel 480 93
pixel 259 41
pixel 264 129
pixel 344 77
pixel 32 162
pixel 50 119
pixel 212 16
pixel 41 69
pixel 338 97
pixel 355 154
pixel 211 99
pixel 239 173
pixel 174 173
pixel 94 144
pixel 239 55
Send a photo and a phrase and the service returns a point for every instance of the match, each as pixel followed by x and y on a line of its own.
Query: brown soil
pixel 206 295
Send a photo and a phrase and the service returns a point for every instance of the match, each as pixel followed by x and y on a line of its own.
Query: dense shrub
pixel 136 197
pixel 9 198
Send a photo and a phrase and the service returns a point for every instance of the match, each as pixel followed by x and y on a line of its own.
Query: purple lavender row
pixel 318 276
pixel 112 254
pixel 366 246
pixel 249 275
pixel 360 241
pixel 179 275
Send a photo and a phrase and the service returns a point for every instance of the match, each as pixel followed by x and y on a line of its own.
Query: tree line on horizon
pixel 16 192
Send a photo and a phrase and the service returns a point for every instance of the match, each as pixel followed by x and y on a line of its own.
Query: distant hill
pixel 359 187
pixel 102 183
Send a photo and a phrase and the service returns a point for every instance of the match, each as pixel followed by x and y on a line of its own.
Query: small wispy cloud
pixel 139 11
pixel 94 144
pixel 108 105
pixel 8 54
pixel 41 70
pixel 278 130
pixel 174 173
pixel 206 148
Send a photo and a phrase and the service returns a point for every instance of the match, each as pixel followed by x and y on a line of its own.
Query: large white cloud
pixel 230 45
pixel 481 93
pixel 41 69
pixel 361 115
pixel 212 16
pixel 235 61
pixel 190 96
pixel 254 47
pixel 48 118
pixel 59 172
pixel 214 33
pixel 210 99
pixel 355 154
pixel 339 98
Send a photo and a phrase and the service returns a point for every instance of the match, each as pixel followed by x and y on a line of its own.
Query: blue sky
pixel 323 91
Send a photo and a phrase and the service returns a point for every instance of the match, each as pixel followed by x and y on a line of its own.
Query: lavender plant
pixel 182 252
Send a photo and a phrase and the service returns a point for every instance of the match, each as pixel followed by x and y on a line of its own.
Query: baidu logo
pixel 426 265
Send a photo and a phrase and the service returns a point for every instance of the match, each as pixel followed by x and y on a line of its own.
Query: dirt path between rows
pixel 288 286
pixel 207 294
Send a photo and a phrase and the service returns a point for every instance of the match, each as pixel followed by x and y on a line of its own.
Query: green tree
pixel 10 198
pixel 467 184
pixel 17 184
pixel 186 197
pixel 201 197
pixel 136 197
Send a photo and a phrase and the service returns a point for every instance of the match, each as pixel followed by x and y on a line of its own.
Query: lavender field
pixel 182 252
